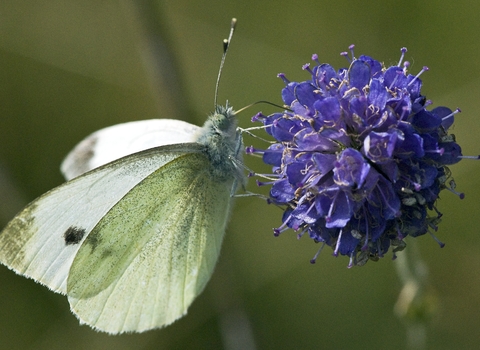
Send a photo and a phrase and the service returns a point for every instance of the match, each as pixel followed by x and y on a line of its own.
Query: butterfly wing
pixel 42 240
pixel 154 251
pixel 114 142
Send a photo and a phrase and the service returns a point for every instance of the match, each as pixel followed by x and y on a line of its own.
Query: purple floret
pixel 358 160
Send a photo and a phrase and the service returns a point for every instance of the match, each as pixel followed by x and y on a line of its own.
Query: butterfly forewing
pixel 154 251
pixel 42 240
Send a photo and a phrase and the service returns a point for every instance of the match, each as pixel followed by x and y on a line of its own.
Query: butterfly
pixel 133 236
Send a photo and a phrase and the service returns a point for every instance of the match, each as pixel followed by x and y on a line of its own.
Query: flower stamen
pixel 424 69
pixel 403 50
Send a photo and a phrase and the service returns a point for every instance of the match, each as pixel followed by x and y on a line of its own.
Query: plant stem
pixel 414 304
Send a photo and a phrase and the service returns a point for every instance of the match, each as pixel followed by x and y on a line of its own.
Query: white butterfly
pixel 134 235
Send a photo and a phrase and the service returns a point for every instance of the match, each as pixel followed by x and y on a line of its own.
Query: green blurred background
pixel 68 68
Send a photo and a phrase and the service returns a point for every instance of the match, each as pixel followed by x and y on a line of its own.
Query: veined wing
pixel 42 240
pixel 152 254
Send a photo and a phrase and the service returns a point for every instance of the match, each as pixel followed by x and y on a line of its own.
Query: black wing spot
pixel 73 235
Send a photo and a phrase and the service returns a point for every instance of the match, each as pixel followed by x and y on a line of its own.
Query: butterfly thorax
pixel 219 136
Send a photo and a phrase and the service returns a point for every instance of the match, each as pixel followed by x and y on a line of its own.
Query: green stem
pixel 414 305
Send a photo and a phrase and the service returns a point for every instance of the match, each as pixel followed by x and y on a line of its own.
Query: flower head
pixel 359 161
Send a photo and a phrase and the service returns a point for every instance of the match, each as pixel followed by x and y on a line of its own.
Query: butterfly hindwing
pixel 42 240
pixel 154 251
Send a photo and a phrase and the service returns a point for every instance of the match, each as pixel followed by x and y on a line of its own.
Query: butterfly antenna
pixel 226 44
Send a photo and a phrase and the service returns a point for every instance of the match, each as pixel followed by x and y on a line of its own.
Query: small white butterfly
pixel 134 235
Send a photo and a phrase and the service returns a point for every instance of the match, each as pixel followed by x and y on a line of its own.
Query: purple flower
pixel 359 161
